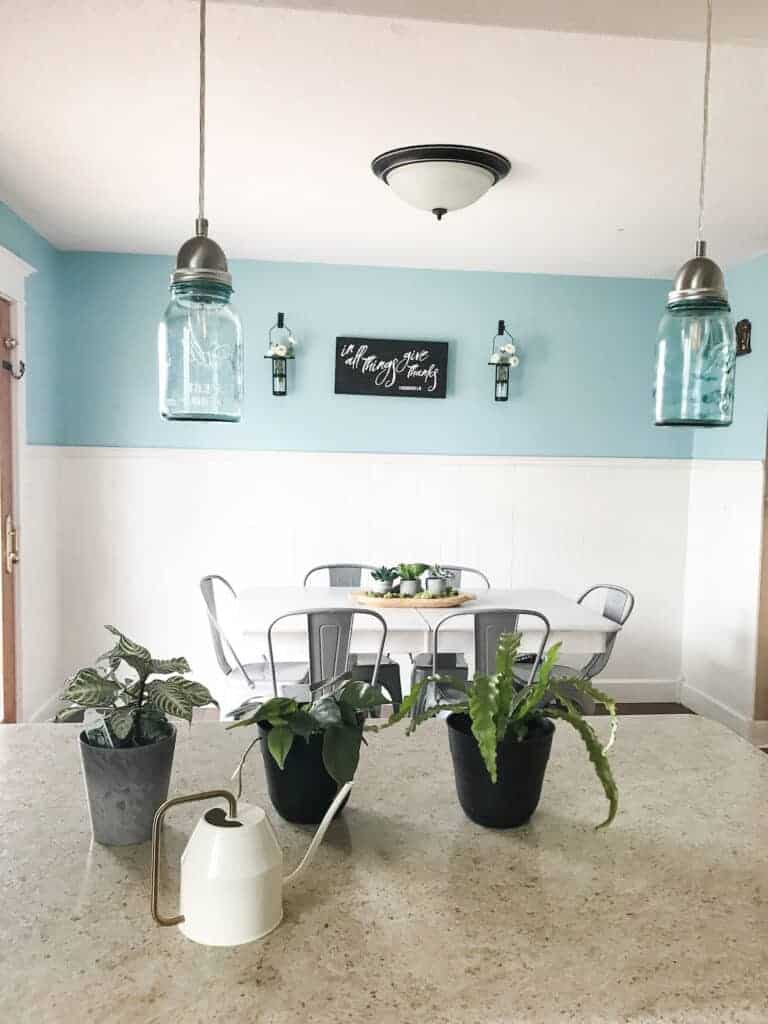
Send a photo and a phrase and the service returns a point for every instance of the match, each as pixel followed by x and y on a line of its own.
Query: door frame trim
pixel 13 277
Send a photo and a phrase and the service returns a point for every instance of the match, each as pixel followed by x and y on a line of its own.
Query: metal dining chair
pixel 350 575
pixel 243 679
pixel 617 605
pixel 488 627
pixel 448 661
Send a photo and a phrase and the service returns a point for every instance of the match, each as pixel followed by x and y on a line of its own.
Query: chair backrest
pixel 457 575
pixel 617 605
pixel 341 574
pixel 217 620
pixel 329 634
pixel 489 627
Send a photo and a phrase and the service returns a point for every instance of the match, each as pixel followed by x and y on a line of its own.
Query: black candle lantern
pixel 281 349
pixel 502 358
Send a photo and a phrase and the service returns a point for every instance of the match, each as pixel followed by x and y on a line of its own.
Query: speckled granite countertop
pixel 411 913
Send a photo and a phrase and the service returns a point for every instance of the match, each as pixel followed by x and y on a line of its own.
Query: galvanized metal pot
pixel 125 787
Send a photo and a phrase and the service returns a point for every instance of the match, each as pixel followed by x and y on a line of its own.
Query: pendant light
pixel 200 338
pixel 696 343
pixel 440 178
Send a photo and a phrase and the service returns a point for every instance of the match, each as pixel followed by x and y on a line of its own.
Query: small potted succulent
pixel 437 580
pixel 383 579
pixel 310 749
pixel 128 743
pixel 500 736
pixel 410 578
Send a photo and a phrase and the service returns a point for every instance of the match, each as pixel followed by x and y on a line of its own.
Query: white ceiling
pixel 98 122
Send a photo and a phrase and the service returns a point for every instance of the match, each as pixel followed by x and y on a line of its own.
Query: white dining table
pixel 581 630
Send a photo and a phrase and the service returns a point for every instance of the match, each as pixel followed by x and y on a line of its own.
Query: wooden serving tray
pixel 376 601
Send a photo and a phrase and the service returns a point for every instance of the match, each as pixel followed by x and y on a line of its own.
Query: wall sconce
pixel 744 338
pixel 502 358
pixel 281 349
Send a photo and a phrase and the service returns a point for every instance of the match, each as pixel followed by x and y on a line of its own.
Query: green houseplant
pixel 437 581
pixel 383 579
pixel 410 577
pixel 500 736
pixel 310 749
pixel 128 754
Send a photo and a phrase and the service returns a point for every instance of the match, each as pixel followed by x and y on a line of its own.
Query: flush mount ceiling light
pixel 440 178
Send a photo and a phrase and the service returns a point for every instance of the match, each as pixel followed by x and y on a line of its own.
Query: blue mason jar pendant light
pixel 200 338
pixel 696 343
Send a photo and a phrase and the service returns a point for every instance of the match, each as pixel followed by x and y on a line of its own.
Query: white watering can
pixel 231 871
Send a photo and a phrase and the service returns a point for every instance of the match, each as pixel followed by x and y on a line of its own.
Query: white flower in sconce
pixel 509 350
pixel 279 351
pixel 502 359
pixel 515 360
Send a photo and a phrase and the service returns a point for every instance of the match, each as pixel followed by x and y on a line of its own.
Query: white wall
pixel 134 529
pixel 725 525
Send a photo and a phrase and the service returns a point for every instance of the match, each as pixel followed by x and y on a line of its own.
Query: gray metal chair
pixel 455 662
pixel 340 574
pixel 617 605
pixel 488 628
pixel 243 679
pixel 349 575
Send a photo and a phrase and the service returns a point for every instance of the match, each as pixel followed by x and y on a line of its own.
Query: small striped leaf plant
pixel 135 708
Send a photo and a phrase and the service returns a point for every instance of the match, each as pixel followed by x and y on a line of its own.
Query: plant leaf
pixel 72 713
pixel 586 687
pixel 131 653
pixel 326 712
pixel 151 724
pixel 596 756
pixel 168 666
pixel 198 695
pixel 170 698
pixel 361 695
pixel 506 652
pixel 509 644
pixel 341 751
pixel 301 723
pixel 407 705
pixel 482 710
pixel 91 689
pixel 120 721
pixel 280 741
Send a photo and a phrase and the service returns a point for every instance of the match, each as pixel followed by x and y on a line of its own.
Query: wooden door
pixel 7 525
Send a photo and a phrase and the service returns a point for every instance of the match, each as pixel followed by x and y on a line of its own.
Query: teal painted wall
pixel 583 388
pixel 44 325
pixel 746 437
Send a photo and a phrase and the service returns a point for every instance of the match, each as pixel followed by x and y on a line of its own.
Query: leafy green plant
pixel 498 705
pixel 338 717
pixel 384 575
pixel 135 708
pixel 410 570
pixel 436 572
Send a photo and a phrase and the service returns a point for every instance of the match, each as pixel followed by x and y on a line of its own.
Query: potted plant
pixel 127 753
pixel 410 578
pixel 500 736
pixel 437 581
pixel 310 749
pixel 383 579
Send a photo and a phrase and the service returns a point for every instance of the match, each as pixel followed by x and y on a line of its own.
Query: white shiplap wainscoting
pixel 125 535
pixel 136 528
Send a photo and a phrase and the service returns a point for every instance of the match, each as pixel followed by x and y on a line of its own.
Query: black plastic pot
pixel 301 791
pixel 125 787
pixel 521 765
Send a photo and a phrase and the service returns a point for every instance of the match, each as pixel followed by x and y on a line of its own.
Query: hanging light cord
pixel 705 123
pixel 201 171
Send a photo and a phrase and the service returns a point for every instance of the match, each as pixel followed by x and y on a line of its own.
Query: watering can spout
pixel 309 856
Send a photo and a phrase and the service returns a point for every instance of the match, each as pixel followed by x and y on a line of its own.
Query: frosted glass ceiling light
pixel 696 343
pixel 440 178
pixel 200 338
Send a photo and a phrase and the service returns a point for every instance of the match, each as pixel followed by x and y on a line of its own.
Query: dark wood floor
pixel 661 708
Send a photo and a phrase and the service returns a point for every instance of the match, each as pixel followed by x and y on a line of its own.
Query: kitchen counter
pixel 410 912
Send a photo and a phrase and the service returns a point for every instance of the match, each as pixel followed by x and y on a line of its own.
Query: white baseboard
pixel 640 691
pixel 709 707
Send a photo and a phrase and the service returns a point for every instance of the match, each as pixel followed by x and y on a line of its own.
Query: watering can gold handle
pixel 211 794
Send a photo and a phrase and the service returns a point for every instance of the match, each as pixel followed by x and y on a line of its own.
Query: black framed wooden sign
pixel 374 366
